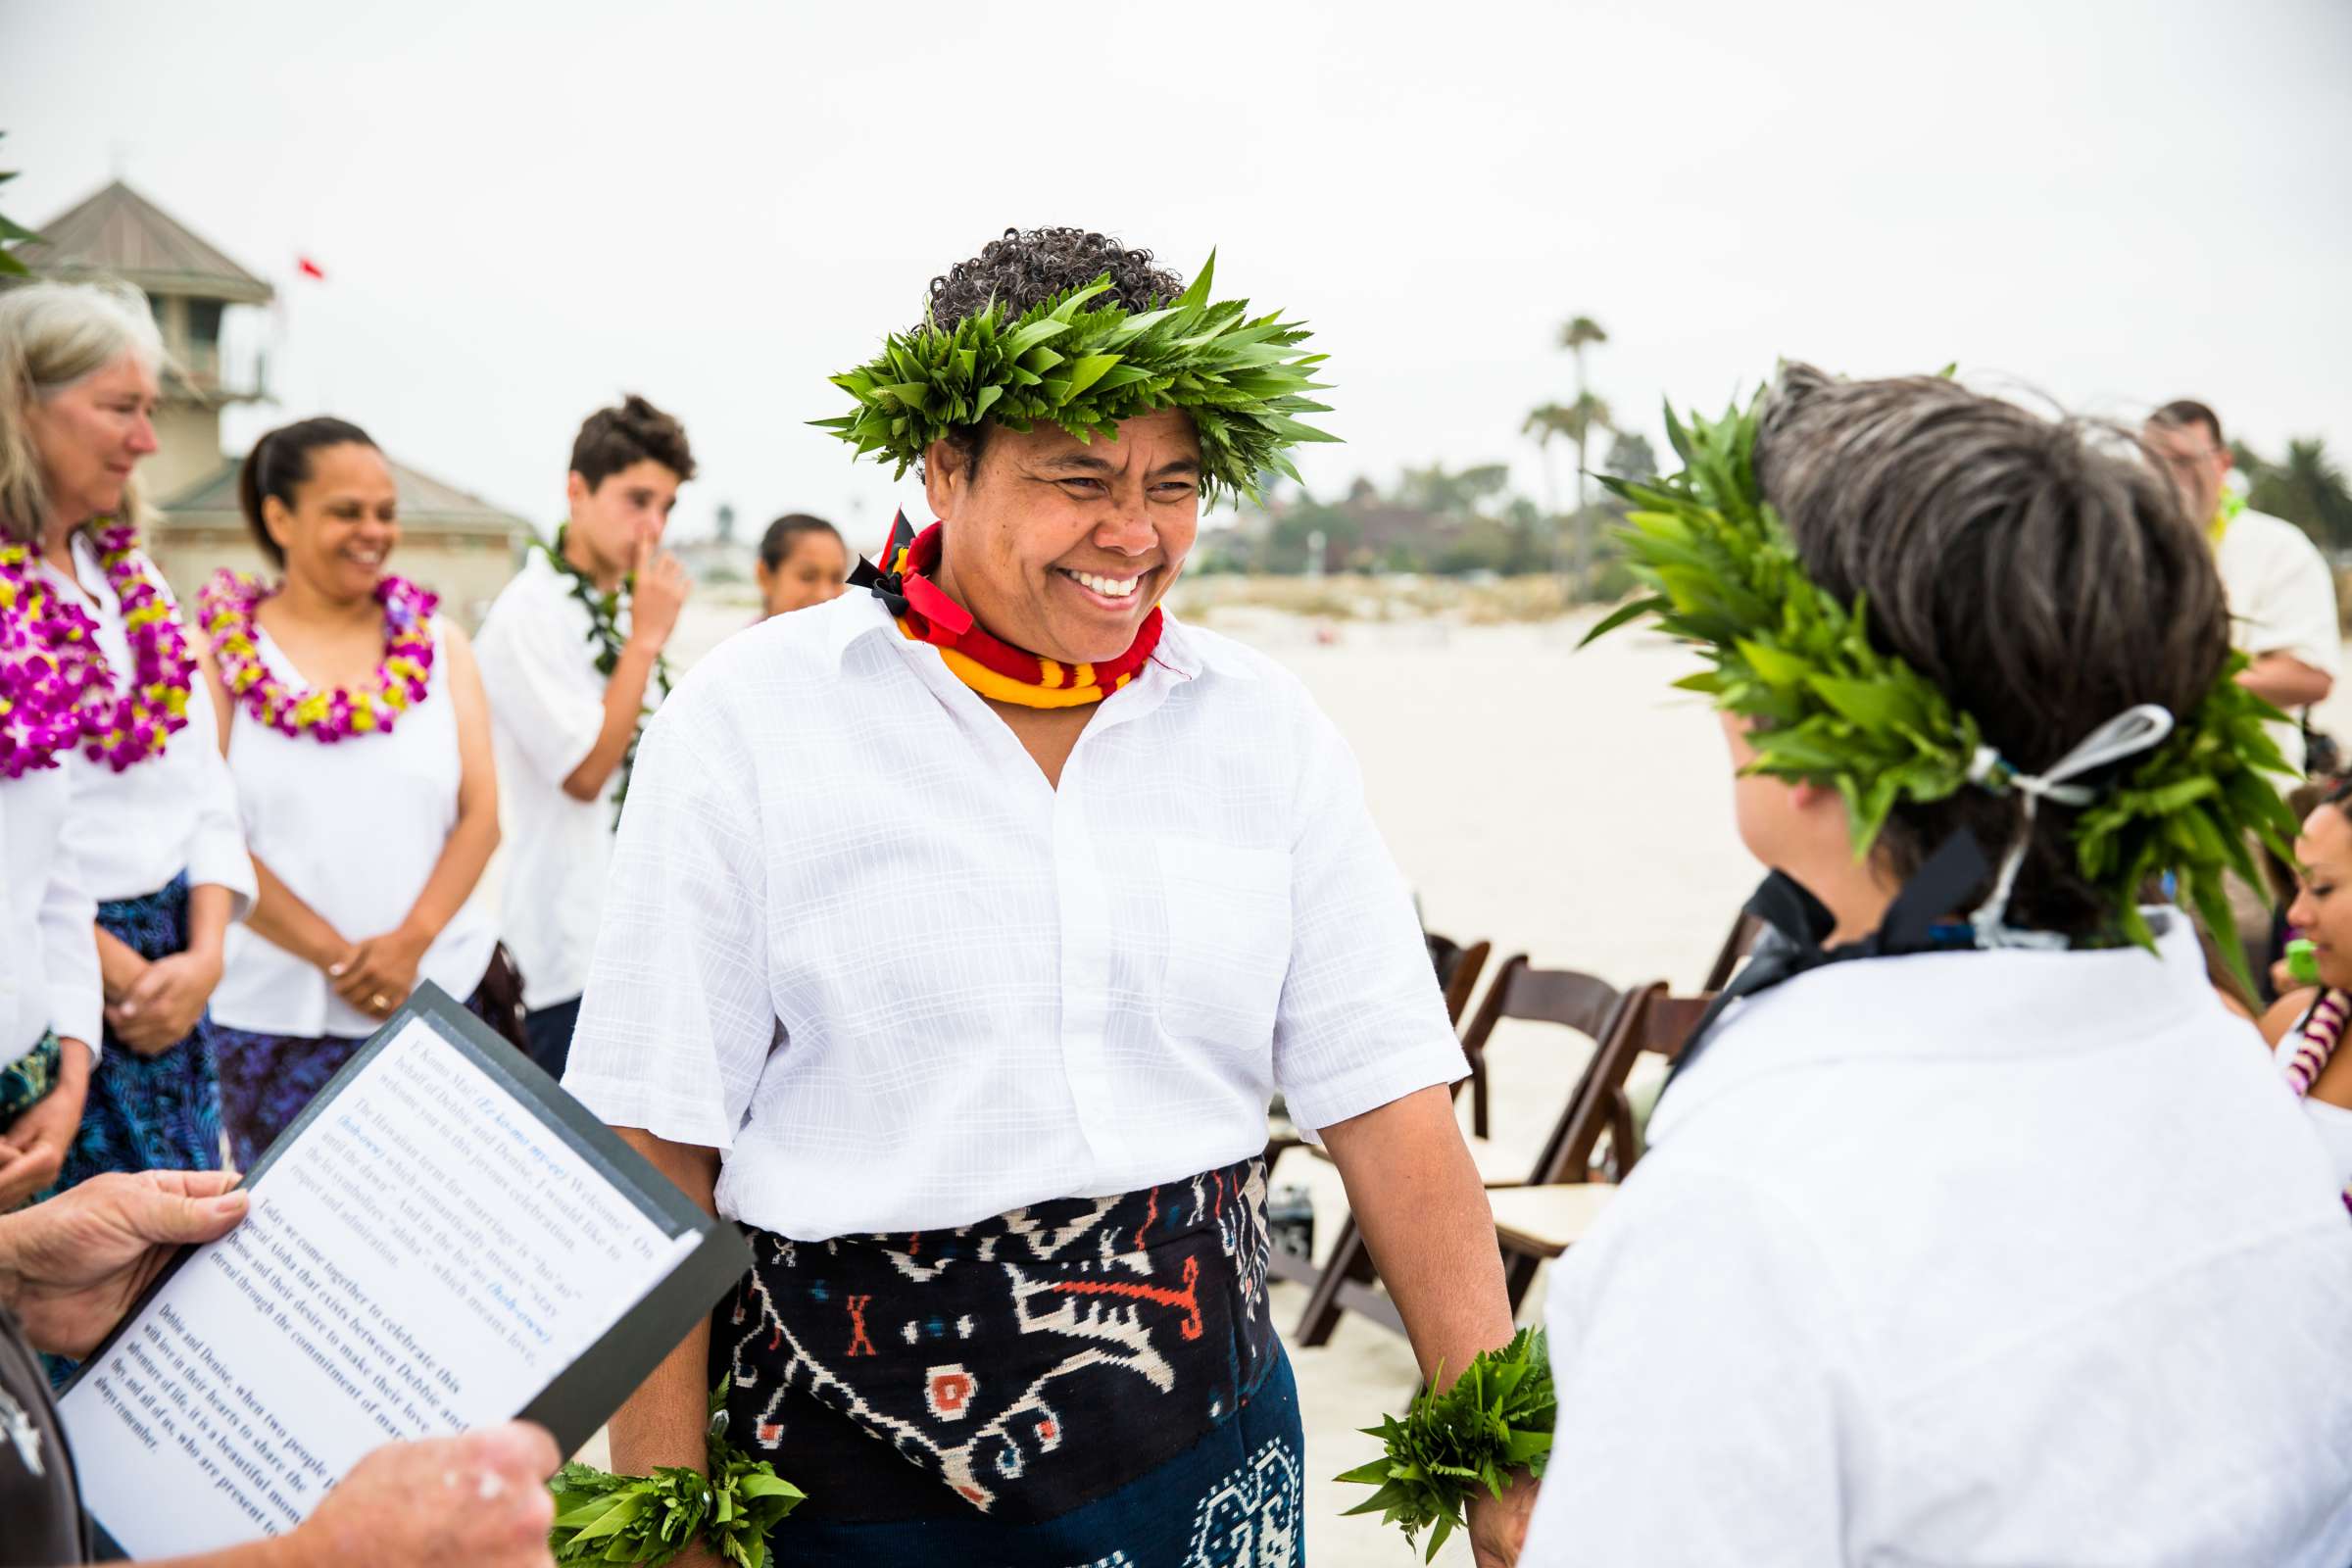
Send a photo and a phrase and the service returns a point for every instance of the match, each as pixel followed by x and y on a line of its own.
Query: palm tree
pixel 2308 490
pixel 1547 422
pixel 2310 474
pixel 1579 334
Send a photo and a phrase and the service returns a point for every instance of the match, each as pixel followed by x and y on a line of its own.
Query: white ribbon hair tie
pixel 2127 734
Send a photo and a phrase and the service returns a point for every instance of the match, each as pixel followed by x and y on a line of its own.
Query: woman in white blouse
pixel 49 999
pixel 359 738
pixel 968 999
pixel 153 827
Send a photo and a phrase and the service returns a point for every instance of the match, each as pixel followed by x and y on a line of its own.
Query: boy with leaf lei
pixel 572 655
pixel 1972 1227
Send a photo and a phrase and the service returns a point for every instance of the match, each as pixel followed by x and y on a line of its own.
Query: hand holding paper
pixel 72 1266
pixel 443 1241
pixel 478 1499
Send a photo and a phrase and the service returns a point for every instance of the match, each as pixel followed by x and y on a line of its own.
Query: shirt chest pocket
pixel 1229 940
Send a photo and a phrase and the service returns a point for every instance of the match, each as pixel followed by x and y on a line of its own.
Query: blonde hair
pixel 53 336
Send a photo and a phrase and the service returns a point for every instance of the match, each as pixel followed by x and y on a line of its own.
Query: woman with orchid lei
pixel 356 731
pixel 97 674
pixel 1972 1226
pixel 2306 1026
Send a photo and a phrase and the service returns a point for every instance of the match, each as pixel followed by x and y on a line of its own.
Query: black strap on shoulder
pixel 1799 923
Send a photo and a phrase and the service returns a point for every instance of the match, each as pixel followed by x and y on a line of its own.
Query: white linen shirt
pixel 134 831
pixel 857 942
pixel 547 708
pixel 1964 1257
pixel 48 936
pixel 2282 601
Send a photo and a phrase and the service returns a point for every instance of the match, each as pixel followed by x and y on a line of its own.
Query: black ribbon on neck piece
pixel 1800 923
pixel 888 586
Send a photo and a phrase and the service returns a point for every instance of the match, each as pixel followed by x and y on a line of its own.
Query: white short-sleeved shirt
pixel 2282 601
pixel 1971 1257
pixel 48 938
pixel 547 708
pixel 855 940
pixel 134 831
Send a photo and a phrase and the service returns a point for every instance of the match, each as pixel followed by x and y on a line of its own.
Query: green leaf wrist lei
pixel 1494 1420
pixel 648 1520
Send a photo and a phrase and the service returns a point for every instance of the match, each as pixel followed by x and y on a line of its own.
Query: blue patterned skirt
pixel 265 1080
pixel 1088 1383
pixel 158 1112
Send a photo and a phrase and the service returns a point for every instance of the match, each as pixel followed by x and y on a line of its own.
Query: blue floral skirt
pixel 159 1112
pixel 1087 1383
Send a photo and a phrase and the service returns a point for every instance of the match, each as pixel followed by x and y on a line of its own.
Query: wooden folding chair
pixel 1583 1003
pixel 1458 968
pixel 1737 945
pixel 1544 1218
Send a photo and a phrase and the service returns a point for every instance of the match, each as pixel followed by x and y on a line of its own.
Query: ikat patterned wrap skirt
pixel 1085 1383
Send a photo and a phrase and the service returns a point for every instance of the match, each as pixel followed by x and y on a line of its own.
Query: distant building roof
pixel 426 504
pixel 120 234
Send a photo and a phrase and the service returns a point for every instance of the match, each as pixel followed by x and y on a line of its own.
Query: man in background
pixel 2282 595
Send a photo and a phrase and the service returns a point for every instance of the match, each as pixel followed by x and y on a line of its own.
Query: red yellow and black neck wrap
pixel 996 669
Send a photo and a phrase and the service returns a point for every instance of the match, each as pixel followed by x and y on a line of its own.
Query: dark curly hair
pixel 1030 266
pixel 613 439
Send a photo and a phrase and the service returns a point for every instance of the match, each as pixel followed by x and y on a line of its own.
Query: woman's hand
pixel 378 975
pixel 33 1148
pixel 164 1004
pixel 71 1268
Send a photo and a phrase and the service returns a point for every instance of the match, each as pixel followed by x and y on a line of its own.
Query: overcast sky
pixel 525 209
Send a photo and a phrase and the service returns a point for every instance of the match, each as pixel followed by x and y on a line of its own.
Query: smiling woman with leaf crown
pixel 958 932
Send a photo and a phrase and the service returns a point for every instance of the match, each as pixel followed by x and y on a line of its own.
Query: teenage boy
pixel 572 654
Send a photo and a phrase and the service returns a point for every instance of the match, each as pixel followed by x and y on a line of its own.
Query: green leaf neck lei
pixel 603 632
pixel 1830 708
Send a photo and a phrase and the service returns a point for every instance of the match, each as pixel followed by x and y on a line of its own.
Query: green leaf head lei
pixel 1832 709
pixel 1242 379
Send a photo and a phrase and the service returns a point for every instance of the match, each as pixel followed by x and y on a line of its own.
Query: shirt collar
pixel 1959 1005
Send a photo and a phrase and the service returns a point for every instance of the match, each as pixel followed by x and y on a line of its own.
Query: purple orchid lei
pixel 402 681
pixel 56 690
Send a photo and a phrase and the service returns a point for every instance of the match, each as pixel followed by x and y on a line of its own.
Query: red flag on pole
pixel 310 269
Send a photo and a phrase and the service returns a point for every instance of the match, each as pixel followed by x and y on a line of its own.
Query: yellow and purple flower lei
pixel 401 681
pixel 56 691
